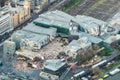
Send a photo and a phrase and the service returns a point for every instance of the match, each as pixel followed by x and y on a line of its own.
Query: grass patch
pixel 115 64
pixel 111 66
pixel 105 52
pixel 71 5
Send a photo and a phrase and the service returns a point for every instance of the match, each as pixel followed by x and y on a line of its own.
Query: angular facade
pixel 29 41
pixel 51 32
pixel 9 48
pixel 66 23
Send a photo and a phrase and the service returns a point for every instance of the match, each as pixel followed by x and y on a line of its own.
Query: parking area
pixel 100 9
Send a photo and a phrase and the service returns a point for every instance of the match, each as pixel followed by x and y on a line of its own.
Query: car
pixel 100 79
pixel 21 58
pixel 113 72
pixel 84 78
pixel 105 76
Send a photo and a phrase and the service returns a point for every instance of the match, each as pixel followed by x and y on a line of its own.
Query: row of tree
pixel 85 55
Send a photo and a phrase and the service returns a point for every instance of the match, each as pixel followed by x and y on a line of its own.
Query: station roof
pixel 63 19
pixel 56 17
pixel 39 30
pixel 30 36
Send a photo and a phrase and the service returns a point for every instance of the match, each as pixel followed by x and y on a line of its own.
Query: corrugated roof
pixel 40 30
pixel 62 19
pixel 54 64
pixel 91 38
pixel 30 36
pixel 76 45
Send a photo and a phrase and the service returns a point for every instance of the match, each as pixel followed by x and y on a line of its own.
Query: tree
pixel 101 53
pixel 37 59
pixel 80 58
pixel 98 72
pixel 95 47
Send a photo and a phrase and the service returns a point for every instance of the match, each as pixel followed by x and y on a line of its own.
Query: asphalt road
pixel 114 77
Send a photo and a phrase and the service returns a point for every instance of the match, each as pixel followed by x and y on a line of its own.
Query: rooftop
pixel 54 64
pixel 79 44
pixel 30 36
pixel 91 38
pixel 112 38
pixel 62 19
pixel 39 30
pixel 8 9
pixel 4 10
pixel 55 18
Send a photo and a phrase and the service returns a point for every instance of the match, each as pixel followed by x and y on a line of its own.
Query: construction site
pixel 55 44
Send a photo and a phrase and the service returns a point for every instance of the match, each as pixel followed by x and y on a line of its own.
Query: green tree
pixel 80 58
pixel 98 72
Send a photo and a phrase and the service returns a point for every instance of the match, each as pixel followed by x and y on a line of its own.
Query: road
pixel 89 69
pixel 57 5
pixel 114 77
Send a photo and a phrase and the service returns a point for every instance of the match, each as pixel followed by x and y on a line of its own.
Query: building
pixel 35 5
pixel 48 76
pixel 55 66
pixel 5 22
pixel 40 5
pixel 66 23
pixel 76 45
pixel 52 1
pixel 2 2
pixel 28 40
pixel 57 19
pixel 9 48
pixel 91 38
pixel 51 32
pixel 91 25
pixel 112 39
pixel 19 13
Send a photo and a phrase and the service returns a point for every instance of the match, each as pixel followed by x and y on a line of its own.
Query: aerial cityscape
pixel 59 39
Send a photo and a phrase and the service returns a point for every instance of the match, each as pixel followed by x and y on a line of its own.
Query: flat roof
pixel 78 44
pixel 91 38
pixel 4 10
pixel 54 64
pixel 30 36
pixel 56 17
pixel 60 18
pixel 39 30
pixel 112 38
